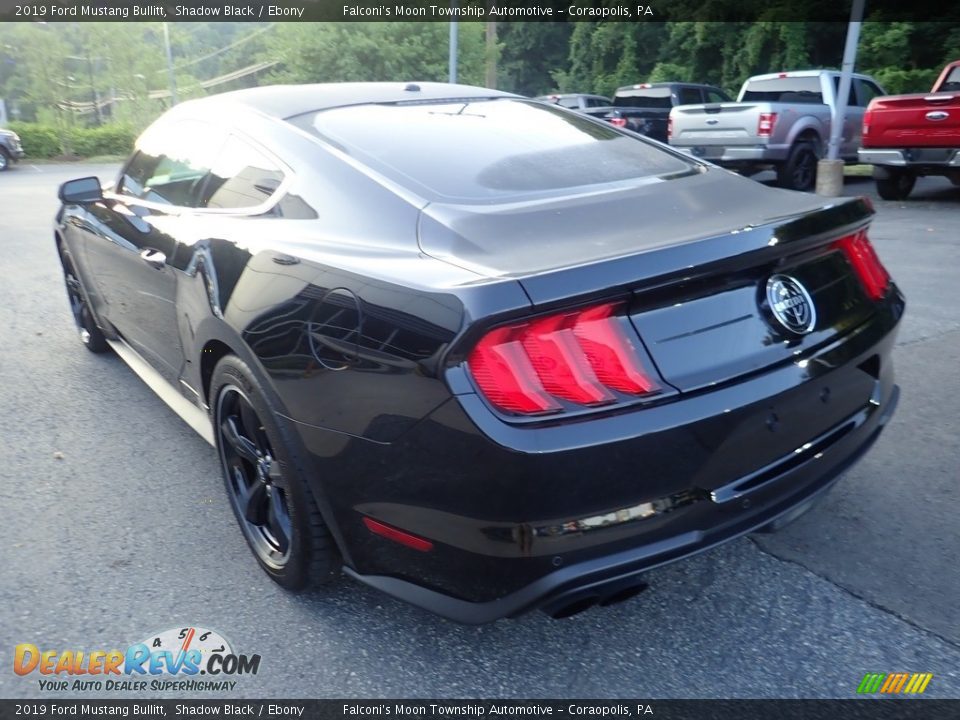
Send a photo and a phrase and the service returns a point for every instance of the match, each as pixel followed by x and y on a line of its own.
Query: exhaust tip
pixel 574 608
pixel 622 594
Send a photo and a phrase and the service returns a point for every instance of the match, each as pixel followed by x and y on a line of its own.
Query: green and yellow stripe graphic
pixel 894 683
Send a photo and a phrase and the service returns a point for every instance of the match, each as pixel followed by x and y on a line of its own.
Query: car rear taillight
pixel 867 116
pixel 766 123
pixel 583 357
pixel 871 272
pixel 618 122
pixel 669 127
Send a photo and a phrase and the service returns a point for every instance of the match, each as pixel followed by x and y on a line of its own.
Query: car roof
pixel 286 101
pixel 803 73
pixel 644 86
pixel 567 95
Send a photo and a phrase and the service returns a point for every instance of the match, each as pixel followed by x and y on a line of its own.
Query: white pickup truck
pixel 781 121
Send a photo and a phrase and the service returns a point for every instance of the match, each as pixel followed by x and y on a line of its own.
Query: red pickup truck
pixel 906 136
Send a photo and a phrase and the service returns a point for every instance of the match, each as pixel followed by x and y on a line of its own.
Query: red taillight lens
pixel 579 357
pixel 505 374
pixel 618 121
pixel 551 344
pixel 766 123
pixel 873 275
pixel 867 116
pixel 609 351
pixel 669 127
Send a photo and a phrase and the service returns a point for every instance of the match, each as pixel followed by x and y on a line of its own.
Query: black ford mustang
pixel 483 353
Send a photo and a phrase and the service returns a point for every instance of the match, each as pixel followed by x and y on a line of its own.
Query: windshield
pixel 488 150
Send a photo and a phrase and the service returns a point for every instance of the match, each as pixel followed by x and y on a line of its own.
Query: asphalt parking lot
pixel 117 527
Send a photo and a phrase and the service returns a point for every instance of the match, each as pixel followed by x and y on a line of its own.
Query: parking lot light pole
pixel 830 169
pixel 453 50
pixel 173 78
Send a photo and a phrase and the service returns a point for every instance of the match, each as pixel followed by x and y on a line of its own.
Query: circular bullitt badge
pixel 791 304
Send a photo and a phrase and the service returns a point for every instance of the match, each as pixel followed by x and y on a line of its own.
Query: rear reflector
pixel 578 356
pixel 398 536
pixel 766 123
pixel 859 251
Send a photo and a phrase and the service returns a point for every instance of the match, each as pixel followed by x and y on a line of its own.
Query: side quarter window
pixel 171 162
pixel 690 96
pixel 241 178
pixel 867 91
pixel 851 96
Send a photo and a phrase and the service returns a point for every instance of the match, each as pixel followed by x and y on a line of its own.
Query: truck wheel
pixel 897 186
pixel 799 172
pixel 4 160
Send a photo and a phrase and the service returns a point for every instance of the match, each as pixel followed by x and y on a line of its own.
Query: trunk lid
pixel 691 257
pixel 931 120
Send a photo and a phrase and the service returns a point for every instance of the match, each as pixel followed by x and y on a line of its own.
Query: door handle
pixel 153 258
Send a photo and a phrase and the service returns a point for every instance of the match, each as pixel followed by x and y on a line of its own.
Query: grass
pixel 96 159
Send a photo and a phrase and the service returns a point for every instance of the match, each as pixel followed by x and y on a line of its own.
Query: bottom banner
pixel 888 709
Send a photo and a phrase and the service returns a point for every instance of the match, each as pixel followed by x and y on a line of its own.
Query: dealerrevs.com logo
pixel 182 659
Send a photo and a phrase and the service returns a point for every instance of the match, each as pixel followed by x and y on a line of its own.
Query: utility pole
pixel 173 78
pixel 830 169
pixel 93 91
pixel 453 52
pixel 491 76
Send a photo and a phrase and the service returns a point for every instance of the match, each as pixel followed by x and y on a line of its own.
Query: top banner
pixel 471 11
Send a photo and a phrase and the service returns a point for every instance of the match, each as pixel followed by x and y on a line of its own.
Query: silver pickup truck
pixel 781 121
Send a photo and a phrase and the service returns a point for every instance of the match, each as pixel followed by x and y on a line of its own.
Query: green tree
pixel 395 51
pixel 531 54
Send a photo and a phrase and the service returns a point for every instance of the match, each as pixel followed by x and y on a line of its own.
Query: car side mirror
pixel 81 190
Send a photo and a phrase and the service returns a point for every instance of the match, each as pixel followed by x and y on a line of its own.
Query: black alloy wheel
pixel 255 482
pixel 799 172
pixel 90 335
pixel 266 483
pixel 4 160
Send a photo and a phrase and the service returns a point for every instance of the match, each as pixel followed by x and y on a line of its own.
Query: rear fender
pixel 807 125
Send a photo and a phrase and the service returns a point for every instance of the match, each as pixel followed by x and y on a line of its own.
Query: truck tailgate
pixel 931 120
pixel 723 123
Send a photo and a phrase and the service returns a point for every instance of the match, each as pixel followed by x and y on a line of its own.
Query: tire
pixel 799 172
pixel 266 482
pixel 897 186
pixel 5 162
pixel 90 334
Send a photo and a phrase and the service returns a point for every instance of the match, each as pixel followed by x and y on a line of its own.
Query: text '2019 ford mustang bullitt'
pixel 483 353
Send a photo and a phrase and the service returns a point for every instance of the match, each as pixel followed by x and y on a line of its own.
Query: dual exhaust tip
pixel 602 597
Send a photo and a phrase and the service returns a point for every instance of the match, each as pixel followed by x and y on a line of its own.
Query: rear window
pixel 785 90
pixel 488 150
pixel 643 97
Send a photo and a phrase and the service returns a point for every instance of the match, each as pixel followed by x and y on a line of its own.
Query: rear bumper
pixel 908 157
pixel 734 155
pixel 602 577
pixel 15 153
pixel 541 516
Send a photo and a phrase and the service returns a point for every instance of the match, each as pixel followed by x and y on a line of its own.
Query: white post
pixel 830 169
pixel 173 78
pixel 453 50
